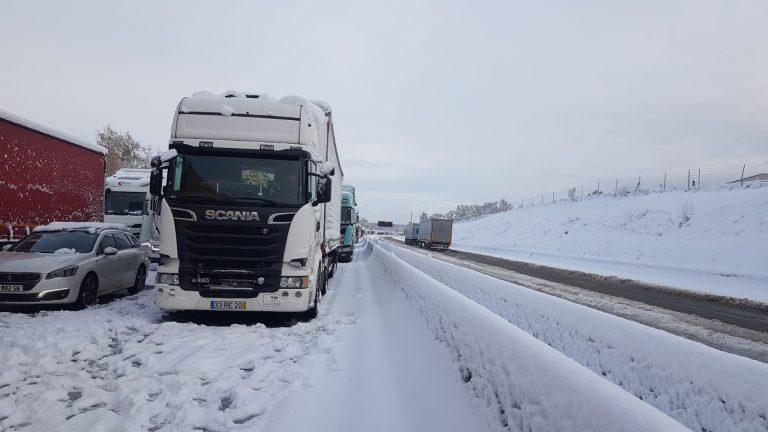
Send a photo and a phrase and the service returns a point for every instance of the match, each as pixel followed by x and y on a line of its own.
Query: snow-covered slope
pixel 701 387
pixel 710 241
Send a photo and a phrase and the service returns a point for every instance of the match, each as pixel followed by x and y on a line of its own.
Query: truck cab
pixel 348 224
pixel 249 211
pixel 127 199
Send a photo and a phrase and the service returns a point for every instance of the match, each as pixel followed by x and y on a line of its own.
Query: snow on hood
pixel 92 227
pixel 64 251
pixel 38 262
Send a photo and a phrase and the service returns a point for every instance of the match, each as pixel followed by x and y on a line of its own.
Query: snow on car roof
pixel 21 121
pixel 89 226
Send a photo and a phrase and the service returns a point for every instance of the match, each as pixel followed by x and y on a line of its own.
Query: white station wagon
pixel 72 263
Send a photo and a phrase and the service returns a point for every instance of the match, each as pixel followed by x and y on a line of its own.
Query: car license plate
pixel 227 305
pixel 11 288
pixel 271 299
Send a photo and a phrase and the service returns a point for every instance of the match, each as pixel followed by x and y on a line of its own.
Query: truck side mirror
pixel 323 190
pixel 156 182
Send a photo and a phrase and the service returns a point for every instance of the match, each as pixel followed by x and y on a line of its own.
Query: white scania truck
pixel 249 213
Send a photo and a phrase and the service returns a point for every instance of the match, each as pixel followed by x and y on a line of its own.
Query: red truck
pixel 46 176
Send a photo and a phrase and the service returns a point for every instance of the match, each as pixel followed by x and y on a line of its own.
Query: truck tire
pixel 312 312
pixel 322 282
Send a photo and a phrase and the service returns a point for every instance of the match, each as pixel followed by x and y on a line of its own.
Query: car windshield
pixel 238 179
pixel 57 241
pixel 124 203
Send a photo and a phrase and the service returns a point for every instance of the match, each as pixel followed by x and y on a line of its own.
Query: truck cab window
pixel 251 180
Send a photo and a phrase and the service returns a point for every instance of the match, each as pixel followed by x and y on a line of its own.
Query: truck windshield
pixel 124 203
pixel 238 179
pixel 346 215
pixel 57 241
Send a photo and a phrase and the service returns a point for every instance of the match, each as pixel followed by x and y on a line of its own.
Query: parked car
pixel 75 263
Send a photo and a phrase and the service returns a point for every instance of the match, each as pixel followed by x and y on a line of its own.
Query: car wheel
pixel 89 292
pixel 139 282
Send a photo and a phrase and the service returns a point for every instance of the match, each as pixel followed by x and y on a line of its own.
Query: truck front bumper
pixel 173 298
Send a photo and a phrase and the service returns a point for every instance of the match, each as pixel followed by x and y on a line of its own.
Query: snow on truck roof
pixel 89 226
pixel 37 127
pixel 248 116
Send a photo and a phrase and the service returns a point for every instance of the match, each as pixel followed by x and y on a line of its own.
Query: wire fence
pixel 735 176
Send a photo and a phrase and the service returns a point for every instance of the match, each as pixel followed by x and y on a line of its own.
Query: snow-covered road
pixel 368 363
pixel 393 349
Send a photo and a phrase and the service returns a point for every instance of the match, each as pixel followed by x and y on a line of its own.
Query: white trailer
pixel 250 212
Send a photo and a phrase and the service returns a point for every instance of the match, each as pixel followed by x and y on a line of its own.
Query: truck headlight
pixel 168 278
pixel 62 272
pixel 294 282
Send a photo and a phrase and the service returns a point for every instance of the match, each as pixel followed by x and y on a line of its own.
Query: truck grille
pixel 28 280
pixel 217 255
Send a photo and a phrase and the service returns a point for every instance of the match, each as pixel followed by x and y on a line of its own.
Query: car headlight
pixel 294 282
pixel 168 278
pixel 62 272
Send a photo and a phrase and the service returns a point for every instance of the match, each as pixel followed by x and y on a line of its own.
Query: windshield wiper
pixel 196 198
pixel 264 200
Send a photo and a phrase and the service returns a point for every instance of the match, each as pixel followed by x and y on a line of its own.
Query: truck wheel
pixel 311 313
pixel 89 291
pixel 322 282
pixel 139 282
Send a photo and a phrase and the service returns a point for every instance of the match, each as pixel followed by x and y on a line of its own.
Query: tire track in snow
pixel 119 367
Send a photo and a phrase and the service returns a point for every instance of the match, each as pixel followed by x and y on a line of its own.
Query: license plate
pixel 227 305
pixel 11 288
pixel 271 299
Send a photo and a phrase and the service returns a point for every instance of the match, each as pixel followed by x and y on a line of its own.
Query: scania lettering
pixel 250 207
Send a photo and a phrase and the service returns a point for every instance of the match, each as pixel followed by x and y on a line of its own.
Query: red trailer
pixel 46 176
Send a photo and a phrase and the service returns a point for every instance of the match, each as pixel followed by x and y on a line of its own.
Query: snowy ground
pixel 708 241
pixel 703 388
pixel 393 349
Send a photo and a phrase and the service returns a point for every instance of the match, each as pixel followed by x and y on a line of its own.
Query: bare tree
pixel 123 151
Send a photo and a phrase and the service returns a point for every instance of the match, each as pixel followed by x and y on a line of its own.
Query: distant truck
pixel 435 233
pixel 127 199
pixel 348 223
pixel 411 233
pixel 46 176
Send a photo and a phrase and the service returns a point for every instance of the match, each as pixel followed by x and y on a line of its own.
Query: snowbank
pixel 90 226
pixel 701 387
pixel 531 385
pixel 708 241
pixel 13 118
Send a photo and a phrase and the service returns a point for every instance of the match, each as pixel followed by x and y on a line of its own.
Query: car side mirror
pixel 156 182
pixel 323 191
pixel 7 247
pixel 110 251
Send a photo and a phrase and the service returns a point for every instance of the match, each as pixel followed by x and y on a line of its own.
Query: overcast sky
pixel 435 103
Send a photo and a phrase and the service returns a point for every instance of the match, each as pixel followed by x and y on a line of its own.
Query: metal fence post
pixel 742 173
pixel 665 180
pixel 698 182
pixel 688 186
